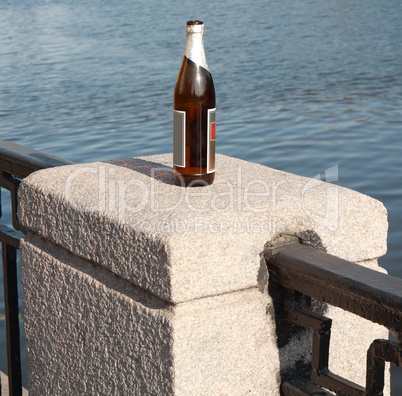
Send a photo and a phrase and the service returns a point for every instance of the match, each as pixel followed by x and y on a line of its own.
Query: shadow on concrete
pixel 151 169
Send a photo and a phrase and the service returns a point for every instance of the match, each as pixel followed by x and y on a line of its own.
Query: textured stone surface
pixel 226 345
pixel 185 243
pixel 92 333
pixel 134 286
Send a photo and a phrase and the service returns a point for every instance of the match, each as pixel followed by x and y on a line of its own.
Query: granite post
pixel 135 286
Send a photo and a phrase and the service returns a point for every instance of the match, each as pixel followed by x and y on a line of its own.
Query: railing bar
pixel 338 384
pixel 376 356
pixel 11 183
pixel 306 318
pixel 8 181
pixel 321 265
pixel 363 291
pixel 9 254
pixel 21 161
pixel 302 387
pixel 321 340
pixel 10 236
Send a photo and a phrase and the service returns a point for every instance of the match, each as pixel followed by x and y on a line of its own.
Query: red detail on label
pixel 213 133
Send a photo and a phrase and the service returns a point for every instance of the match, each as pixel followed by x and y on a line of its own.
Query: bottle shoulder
pixel 194 83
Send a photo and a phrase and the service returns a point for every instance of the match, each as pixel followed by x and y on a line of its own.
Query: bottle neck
pixel 195 49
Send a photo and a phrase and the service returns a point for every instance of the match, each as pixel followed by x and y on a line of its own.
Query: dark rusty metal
pixel 12 318
pixel 21 161
pixel 379 352
pixel 321 375
pixel 370 294
pixel 16 162
pixel 11 183
pixel 9 236
pixel 302 387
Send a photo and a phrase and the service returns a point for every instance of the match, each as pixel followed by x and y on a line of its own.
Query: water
pixel 301 86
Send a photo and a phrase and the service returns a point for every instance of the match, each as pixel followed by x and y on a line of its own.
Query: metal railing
pixel 16 162
pixel 301 276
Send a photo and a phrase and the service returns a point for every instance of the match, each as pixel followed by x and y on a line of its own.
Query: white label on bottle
pixel 211 141
pixel 179 138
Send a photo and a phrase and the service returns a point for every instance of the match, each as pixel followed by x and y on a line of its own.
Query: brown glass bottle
pixel 194 114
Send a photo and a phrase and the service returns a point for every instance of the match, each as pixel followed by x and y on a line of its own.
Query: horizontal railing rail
pixel 302 272
pixel 16 163
pixel 21 161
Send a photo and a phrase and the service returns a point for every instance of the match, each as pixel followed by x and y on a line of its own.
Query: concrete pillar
pixel 134 286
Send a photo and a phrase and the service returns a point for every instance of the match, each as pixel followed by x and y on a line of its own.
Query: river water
pixel 301 86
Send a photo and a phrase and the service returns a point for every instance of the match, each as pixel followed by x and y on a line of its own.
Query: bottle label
pixel 179 138
pixel 211 141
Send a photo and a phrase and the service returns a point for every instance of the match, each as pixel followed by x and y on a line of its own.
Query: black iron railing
pixel 16 162
pixel 303 276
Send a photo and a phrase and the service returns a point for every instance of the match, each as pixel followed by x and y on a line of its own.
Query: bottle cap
pixel 195 26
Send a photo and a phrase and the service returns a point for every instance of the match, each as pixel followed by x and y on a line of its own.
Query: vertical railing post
pixel 12 319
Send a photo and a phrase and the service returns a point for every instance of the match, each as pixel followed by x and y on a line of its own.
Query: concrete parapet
pixel 135 286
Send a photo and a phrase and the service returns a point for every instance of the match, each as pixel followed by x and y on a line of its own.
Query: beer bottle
pixel 194 114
